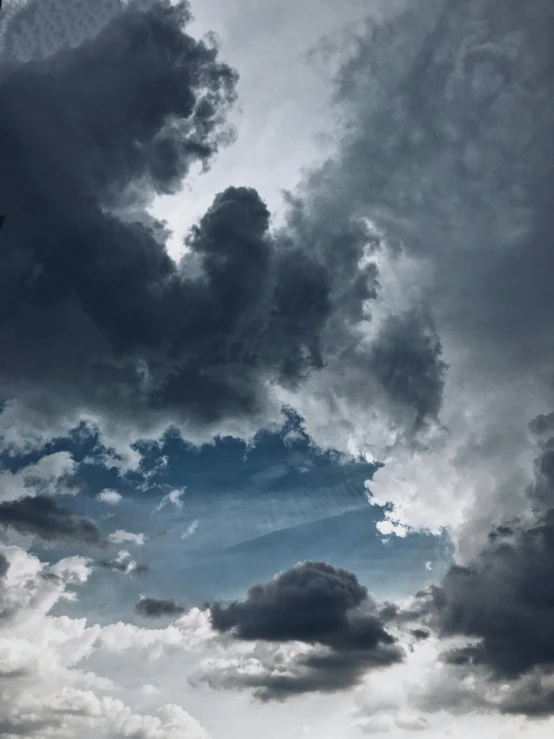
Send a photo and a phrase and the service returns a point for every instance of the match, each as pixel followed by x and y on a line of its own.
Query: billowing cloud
pixel 156 608
pixel 104 324
pixel 490 618
pixel 503 600
pixel 404 309
pixel 312 604
pixel 447 151
pixel 44 689
pixel 42 516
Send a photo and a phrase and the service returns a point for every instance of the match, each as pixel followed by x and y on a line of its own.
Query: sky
pixel 276 385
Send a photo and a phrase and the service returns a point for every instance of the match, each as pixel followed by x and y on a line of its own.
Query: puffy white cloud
pixel 111 497
pixel 45 690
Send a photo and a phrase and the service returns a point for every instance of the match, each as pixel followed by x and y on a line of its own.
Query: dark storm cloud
pixel 319 605
pixel 406 361
pixel 42 516
pixel 96 315
pixel 503 600
pixel 156 608
pixel 449 148
pixel 449 104
pixel 506 597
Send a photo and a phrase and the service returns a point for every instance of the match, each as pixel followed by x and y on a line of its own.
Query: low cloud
pixel 44 690
pixel 111 497
pixel 316 605
pixel 155 608
pixel 42 516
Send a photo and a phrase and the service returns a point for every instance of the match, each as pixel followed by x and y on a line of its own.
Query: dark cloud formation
pixel 319 605
pixel 447 148
pixel 449 103
pixel 42 516
pixel 156 608
pixel 503 599
pixel 4 565
pixel 506 597
pixel 98 318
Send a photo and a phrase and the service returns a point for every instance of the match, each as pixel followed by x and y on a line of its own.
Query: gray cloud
pixel 42 516
pixel 449 151
pixel 446 149
pixel 319 605
pixel 156 608
pixel 505 596
pixel 100 316
pixel 24 728
pixel 126 566
pixel 502 600
pixel 4 565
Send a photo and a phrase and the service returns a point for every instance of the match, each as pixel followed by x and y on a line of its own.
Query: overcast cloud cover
pixel 394 313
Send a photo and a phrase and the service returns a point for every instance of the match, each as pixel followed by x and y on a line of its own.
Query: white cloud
pixel 389 527
pixel 47 693
pixel 189 531
pixel 122 537
pixel 172 498
pixel 111 497
pixel 52 474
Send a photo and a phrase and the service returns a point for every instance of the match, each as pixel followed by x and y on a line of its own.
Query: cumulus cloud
pixel 217 343
pixel 404 309
pixel 44 689
pixel 156 608
pixel 313 604
pixel 503 600
pixel 42 516
pixel 447 151
pixel 111 497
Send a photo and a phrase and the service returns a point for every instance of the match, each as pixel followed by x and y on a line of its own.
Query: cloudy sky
pixel 276 369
